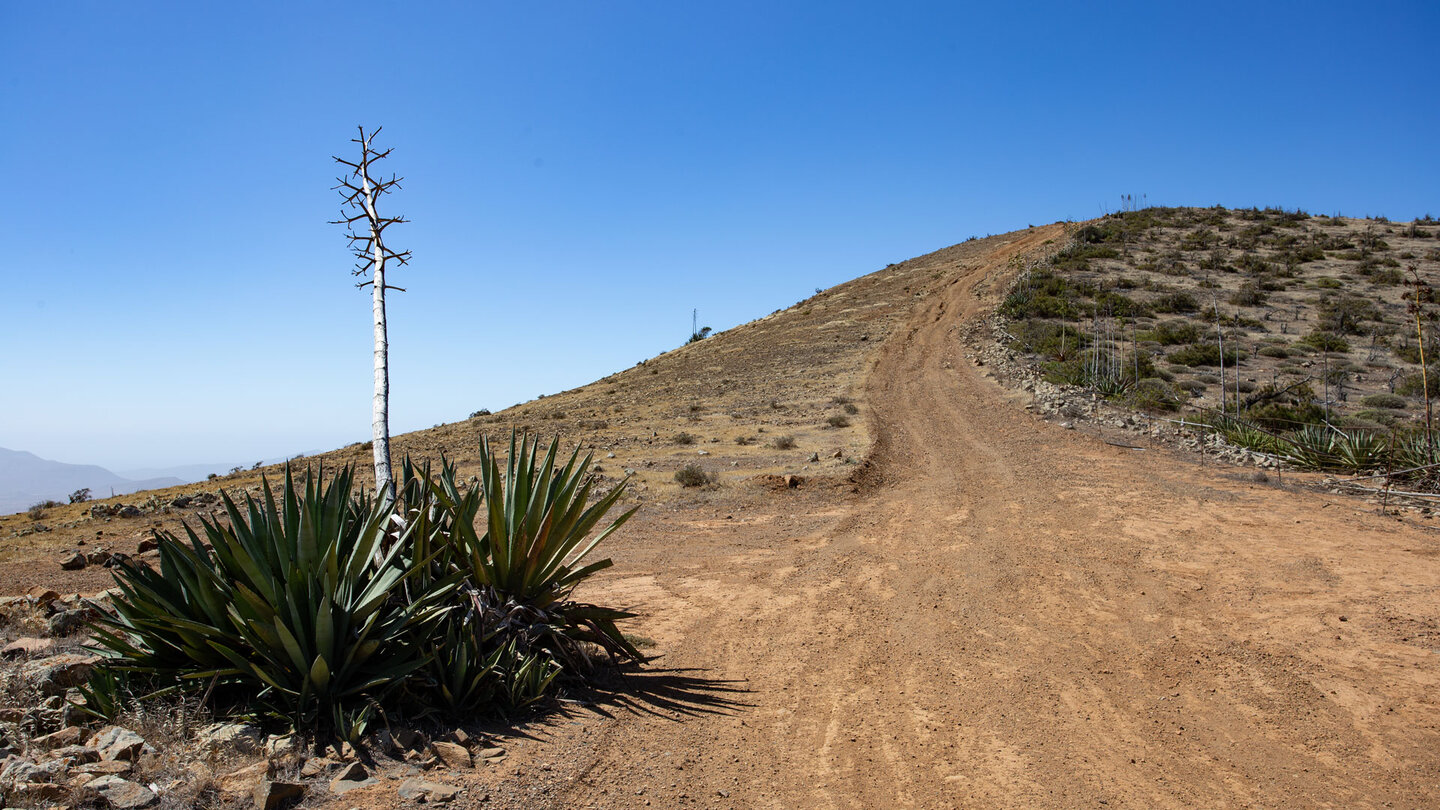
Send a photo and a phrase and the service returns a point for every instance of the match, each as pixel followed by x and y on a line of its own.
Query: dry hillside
pixel 965 606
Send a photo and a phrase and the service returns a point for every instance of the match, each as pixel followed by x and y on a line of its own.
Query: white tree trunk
pixel 380 409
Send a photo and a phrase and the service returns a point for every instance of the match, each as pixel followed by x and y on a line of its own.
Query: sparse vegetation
pixel 783 443
pixel 692 475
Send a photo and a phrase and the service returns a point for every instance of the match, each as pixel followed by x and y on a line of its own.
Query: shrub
pixel 1414 385
pixel 1326 341
pixel 1273 351
pixel 1203 354
pixel 1048 339
pixel 744 441
pixel 80 495
pixel 850 409
pixel 837 421
pixel 1347 314
pixel 691 475
pixel 684 438
pixel 1385 401
pixel 1172 333
pixel 1250 294
pixel 783 443
pixel 1176 302
pixel 1152 394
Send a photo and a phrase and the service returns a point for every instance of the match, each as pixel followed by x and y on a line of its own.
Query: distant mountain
pixel 25 478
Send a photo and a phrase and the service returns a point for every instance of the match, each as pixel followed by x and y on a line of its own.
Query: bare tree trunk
pixel 369 248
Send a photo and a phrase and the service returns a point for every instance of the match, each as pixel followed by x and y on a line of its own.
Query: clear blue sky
pixel 582 174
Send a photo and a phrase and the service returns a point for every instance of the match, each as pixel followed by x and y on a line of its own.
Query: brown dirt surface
pixel 988 610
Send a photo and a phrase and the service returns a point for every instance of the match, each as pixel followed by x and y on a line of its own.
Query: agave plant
pixel 521 543
pixel 297 606
pixel 1311 447
pixel 1360 450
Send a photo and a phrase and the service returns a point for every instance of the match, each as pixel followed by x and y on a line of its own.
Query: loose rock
pixel 452 754
pixel 122 794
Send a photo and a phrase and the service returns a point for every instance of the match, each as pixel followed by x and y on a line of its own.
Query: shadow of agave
pixel 670 693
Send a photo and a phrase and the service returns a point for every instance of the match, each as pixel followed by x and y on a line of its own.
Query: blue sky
pixel 580 175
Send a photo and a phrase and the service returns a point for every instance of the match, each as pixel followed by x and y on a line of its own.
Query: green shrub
pixel 1389 401
pixel 1347 314
pixel 1203 354
pixel 1048 339
pixel 1153 394
pixel 1273 351
pixel 1414 385
pixel 1172 333
pixel 1326 341
pixel 1250 294
pixel 1176 302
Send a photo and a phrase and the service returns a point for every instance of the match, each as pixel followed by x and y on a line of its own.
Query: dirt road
pixel 1012 614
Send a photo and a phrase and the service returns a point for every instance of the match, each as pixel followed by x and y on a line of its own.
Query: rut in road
pixel 1020 615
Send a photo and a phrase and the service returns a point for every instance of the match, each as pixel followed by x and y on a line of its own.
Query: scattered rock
pixel 35 794
pixel 116 742
pixel 23 770
pixel 180 502
pixel 491 754
pixel 66 622
pixel 242 782
pixel 281 746
pixel 28 647
pixel 352 776
pixel 274 795
pixel 70 735
pixel 128 511
pixel 814 457
pixel 118 766
pixel 56 674
pixel 422 790
pixel 793 481
pixel 41 596
pixel 74 562
pixel 315 766
pixel 122 794
pixel 148 544
pixel 98 556
pixel 74 755
pixel 224 738
pixel 452 754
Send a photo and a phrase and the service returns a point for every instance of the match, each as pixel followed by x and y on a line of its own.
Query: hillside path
pixel 1017 615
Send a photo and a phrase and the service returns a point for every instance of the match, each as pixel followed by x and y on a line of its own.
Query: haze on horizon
pixel 580 177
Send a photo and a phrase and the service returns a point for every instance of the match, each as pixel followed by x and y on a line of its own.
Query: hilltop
pixel 895 585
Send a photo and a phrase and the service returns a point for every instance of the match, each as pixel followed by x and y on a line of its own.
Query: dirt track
pixel 1012 614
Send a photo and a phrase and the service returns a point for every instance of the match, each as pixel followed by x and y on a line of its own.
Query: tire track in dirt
pixel 1023 616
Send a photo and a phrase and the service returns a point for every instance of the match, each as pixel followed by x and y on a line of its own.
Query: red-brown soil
pixel 990 611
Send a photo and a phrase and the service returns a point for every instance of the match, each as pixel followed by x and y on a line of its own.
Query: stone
pixel 74 755
pixel 838 454
pixel 128 511
pixel 228 738
pixel 28 647
pixel 56 674
pixel 242 781
pixel 23 770
pixel 116 742
pixel 97 557
pixel 793 481
pixel 453 755
pixel 101 768
pixel 70 735
pixel 282 745
pixel 66 622
pixel 148 544
pixel 315 766
pixel 350 777
pixel 270 795
pixel 122 794
pixel 416 789
pixel 491 753
pixel 41 596
pixel 35 794
pixel 73 562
